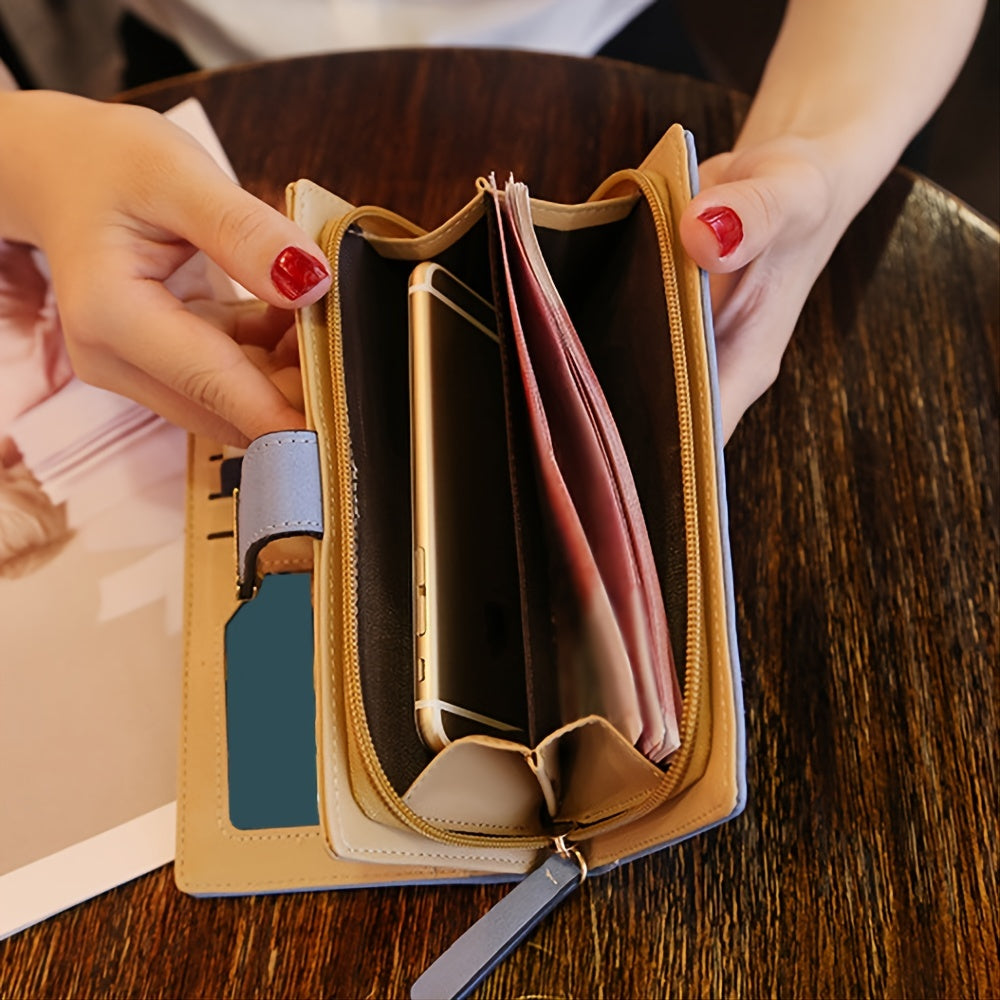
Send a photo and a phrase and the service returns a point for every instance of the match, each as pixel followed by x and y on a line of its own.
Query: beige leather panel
pixel 600 773
pixel 286 555
pixel 212 855
pixel 480 785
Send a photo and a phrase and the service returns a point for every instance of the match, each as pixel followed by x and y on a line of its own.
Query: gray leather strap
pixel 492 938
pixel 279 496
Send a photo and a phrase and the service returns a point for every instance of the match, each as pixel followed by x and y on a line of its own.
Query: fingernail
pixel 726 226
pixel 294 272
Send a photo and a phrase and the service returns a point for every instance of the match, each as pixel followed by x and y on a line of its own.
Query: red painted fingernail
pixel 726 226
pixel 294 272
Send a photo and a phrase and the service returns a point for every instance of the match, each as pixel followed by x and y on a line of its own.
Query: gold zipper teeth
pixel 352 673
pixel 345 499
pixel 691 700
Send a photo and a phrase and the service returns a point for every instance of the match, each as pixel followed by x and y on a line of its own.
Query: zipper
pixel 693 671
pixel 344 522
pixel 694 664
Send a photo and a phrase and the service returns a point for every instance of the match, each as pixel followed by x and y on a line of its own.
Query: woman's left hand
pixel 763 226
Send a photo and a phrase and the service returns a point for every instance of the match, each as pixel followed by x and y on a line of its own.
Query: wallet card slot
pixel 374 330
pixel 375 358
pixel 633 335
pixel 481 785
pixel 601 776
pixel 613 654
pixel 583 775
pixel 611 285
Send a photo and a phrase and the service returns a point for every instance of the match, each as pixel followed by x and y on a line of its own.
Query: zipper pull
pixel 457 972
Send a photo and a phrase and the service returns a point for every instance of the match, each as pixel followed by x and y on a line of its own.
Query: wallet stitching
pixel 712 485
pixel 301 562
pixel 613 808
pixel 419 876
pixel 265 529
pixel 575 211
pixel 435 236
pixel 484 826
pixel 186 698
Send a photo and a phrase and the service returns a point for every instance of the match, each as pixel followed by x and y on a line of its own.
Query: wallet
pixel 301 765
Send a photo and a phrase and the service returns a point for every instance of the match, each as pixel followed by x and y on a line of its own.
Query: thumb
pixel 264 251
pixel 728 225
pixel 761 202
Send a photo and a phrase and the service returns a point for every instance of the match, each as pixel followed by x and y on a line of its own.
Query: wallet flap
pixel 279 497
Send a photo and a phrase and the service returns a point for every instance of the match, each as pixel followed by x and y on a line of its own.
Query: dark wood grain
pixel 863 500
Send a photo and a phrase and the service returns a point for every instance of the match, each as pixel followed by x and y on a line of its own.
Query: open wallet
pixel 592 569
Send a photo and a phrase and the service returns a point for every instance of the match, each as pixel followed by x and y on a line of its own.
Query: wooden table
pixel 863 499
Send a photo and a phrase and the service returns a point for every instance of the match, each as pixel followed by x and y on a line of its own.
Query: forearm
pixel 860 77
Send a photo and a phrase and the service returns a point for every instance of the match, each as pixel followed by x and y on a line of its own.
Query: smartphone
pixel 468 647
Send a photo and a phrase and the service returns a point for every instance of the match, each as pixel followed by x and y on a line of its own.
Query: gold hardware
pixel 571 854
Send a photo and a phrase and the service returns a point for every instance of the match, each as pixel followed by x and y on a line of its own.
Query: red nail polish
pixel 294 272
pixel 726 226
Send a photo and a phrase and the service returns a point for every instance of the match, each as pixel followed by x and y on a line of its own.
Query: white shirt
pixel 217 32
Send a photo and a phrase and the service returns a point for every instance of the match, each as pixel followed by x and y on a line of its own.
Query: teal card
pixel 271 707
